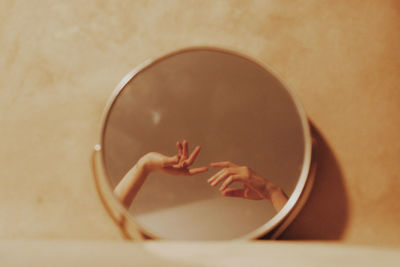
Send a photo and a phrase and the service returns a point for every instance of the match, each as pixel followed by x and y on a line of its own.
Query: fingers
pixel 220 176
pixel 222 164
pixel 228 175
pixel 180 149
pixel 229 181
pixel 193 156
pixel 183 153
pixel 215 176
pixel 185 149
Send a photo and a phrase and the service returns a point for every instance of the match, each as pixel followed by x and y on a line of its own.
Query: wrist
pixel 263 186
pixel 273 190
pixel 270 189
pixel 143 165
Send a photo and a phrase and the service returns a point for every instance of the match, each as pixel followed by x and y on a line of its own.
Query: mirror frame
pixel 272 229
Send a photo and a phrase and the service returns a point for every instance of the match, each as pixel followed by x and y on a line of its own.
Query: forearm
pixel 276 195
pixel 278 198
pixel 129 186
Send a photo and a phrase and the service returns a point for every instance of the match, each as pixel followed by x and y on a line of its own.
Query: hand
pixel 175 165
pixel 254 186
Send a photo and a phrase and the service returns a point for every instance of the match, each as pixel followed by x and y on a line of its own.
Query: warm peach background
pixel 60 60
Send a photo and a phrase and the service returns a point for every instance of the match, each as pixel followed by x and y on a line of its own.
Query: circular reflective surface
pixel 236 110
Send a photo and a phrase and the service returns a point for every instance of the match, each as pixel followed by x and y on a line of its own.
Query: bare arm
pixel 129 186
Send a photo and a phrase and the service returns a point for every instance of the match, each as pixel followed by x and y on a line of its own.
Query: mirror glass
pixel 232 107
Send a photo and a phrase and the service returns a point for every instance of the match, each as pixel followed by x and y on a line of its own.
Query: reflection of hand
pixel 175 165
pixel 127 189
pixel 254 186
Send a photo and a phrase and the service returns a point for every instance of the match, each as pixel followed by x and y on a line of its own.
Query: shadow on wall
pixel 325 214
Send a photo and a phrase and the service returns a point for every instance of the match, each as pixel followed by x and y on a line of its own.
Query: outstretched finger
pixel 195 171
pixel 234 192
pixel 222 164
pixel 220 178
pixel 180 149
pixel 228 181
pixel 185 149
pixel 215 176
pixel 193 156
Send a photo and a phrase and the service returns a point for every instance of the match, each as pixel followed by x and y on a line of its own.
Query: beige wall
pixel 60 60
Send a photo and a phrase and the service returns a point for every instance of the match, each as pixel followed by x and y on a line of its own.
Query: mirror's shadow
pixel 325 214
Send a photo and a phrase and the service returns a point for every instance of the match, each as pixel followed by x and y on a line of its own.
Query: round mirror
pixel 254 138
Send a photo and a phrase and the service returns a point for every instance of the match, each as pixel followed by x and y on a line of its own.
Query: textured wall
pixel 60 60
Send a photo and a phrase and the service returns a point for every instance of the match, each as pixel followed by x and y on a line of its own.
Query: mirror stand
pixel 113 207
